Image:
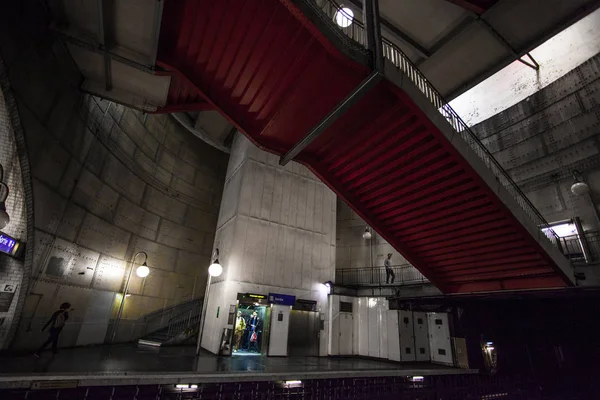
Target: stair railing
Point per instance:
(181, 321)
(163, 318)
(356, 31)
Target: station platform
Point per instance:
(129, 365)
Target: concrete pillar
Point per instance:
(275, 233)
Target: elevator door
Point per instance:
(303, 339)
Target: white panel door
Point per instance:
(346, 334)
(383, 330)
(335, 335)
(373, 326)
(363, 326)
(393, 335)
(407, 338)
(280, 324)
(439, 338)
(421, 336)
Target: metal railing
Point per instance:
(405, 274)
(170, 316)
(356, 31)
(571, 246)
(184, 320)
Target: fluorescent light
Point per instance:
(186, 386)
(416, 378)
(292, 382)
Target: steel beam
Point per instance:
(103, 39)
(373, 28)
(156, 30)
(363, 88)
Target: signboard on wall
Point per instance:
(282, 299)
(7, 292)
(9, 245)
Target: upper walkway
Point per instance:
(399, 156)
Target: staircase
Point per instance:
(181, 325)
(400, 157)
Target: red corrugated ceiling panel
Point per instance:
(268, 69)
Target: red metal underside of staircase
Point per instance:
(274, 75)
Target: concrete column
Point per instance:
(275, 233)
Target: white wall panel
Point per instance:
(393, 335)
(407, 339)
(373, 327)
(279, 330)
(346, 334)
(383, 329)
(421, 336)
(363, 326)
(439, 338)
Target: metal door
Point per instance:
(346, 333)
(421, 336)
(439, 338)
(303, 337)
(407, 336)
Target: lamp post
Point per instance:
(142, 271)
(215, 270)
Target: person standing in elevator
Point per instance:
(254, 325)
(240, 327)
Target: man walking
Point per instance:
(56, 323)
(389, 272)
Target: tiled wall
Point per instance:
(107, 182)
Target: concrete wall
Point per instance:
(275, 234)
(107, 182)
(514, 83)
(540, 140)
(352, 250)
(12, 270)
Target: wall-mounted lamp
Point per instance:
(579, 187)
(367, 233)
(4, 218)
(215, 269)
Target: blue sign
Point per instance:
(8, 244)
(282, 299)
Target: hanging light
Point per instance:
(215, 268)
(344, 17)
(142, 271)
(579, 187)
(367, 233)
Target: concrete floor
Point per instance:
(126, 364)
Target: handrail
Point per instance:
(168, 309)
(404, 274)
(356, 31)
(183, 320)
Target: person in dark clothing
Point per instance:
(389, 272)
(56, 323)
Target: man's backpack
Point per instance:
(60, 320)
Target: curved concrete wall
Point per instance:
(107, 182)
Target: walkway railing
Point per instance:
(356, 31)
(404, 275)
(571, 246)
